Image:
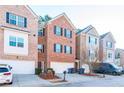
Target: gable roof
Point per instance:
(104, 35)
(32, 12)
(63, 14)
(85, 30)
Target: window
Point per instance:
(41, 32)
(12, 19)
(92, 54)
(21, 21)
(58, 48)
(109, 44)
(41, 48)
(12, 41)
(16, 20)
(68, 49)
(67, 33)
(16, 42)
(58, 30)
(109, 55)
(92, 40)
(20, 42)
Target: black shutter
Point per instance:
(43, 31)
(71, 50)
(61, 31)
(71, 34)
(7, 17)
(64, 49)
(25, 22)
(54, 47)
(43, 48)
(65, 32)
(54, 29)
(61, 48)
(89, 39)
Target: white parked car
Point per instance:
(6, 75)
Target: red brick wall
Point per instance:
(51, 39)
(32, 27)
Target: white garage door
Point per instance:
(20, 67)
(59, 67)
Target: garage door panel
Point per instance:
(59, 67)
(20, 67)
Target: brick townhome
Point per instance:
(18, 38)
(56, 44)
(87, 46)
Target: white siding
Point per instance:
(15, 50)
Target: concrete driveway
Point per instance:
(27, 81)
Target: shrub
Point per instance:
(49, 69)
(38, 71)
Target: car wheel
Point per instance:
(10, 83)
(114, 73)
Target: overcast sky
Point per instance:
(103, 18)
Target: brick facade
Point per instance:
(50, 39)
(32, 28)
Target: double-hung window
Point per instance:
(20, 42)
(41, 32)
(16, 41)
(67, 33)
(21, 21)
(12, 41)
(58, 48)
(68, 49)
(58, 30)
(92, 40)
(41, 48)
(109, 44)
(16, 20)
(12, 19)
(110, 55)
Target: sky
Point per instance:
(104, 18)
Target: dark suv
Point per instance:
(107, 68)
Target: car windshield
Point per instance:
(114, 65)
(2, 69)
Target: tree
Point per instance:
(92, 59)
(47, 18)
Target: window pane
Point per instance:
(40, 48)
(68, 33)
(12, 41)
(58, 31)
(12, 19)
(20, 21)
(109, 44)
(58, 48)
(68, 50)
(20, 42)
